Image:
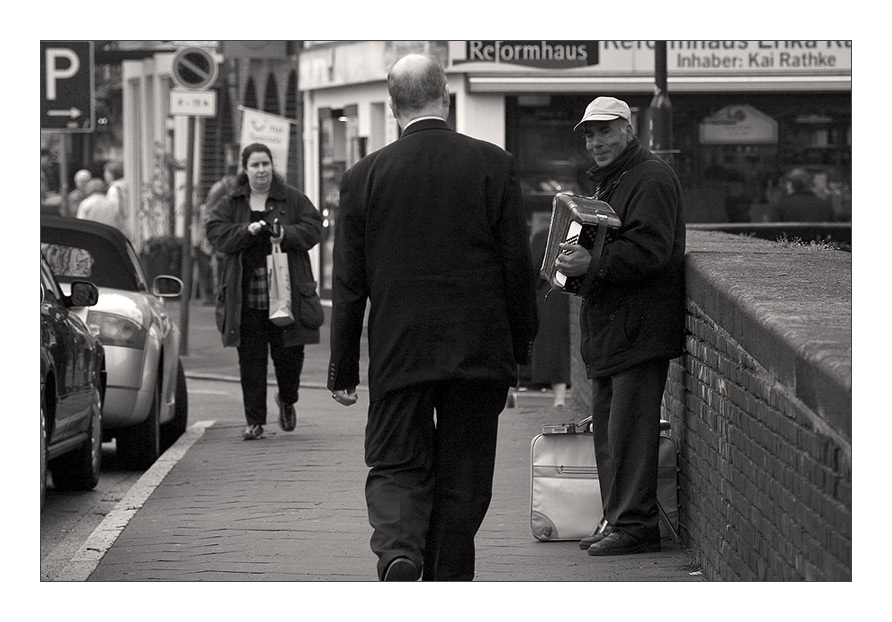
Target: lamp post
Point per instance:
(661, 108)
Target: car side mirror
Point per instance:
(167, 286)
(83, 294)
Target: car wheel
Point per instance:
(42, 451)
(139, 446)
(80, 469)
(174, 429)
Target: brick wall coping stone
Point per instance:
(790, 308)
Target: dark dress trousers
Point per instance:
(432, 233)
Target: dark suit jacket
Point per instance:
(431, 230)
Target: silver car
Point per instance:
(146, 400)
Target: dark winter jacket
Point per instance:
(431, 231)
(227, 231)
(635, 307)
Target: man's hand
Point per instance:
(255, 227)
(345, 397)
(573, 260)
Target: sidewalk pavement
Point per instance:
(291, 506)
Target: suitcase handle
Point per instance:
(665, 425)
(586, 425)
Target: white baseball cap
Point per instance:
(605, 109)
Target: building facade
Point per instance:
(745, 114)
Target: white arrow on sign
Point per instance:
(72, 113)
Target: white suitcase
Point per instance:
(565, 495)
(565, 498)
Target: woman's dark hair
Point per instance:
(242, 178)
(254, 148)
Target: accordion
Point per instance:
(576, 219)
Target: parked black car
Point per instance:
(72, 387)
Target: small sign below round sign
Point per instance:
(194, 68)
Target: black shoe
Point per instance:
(595, 536)
(252, 432)
(401, 569)
(622, 543)
(287, 415)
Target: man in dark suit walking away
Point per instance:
(431, 232)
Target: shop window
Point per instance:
(340, 147)
(271, 96)
(250, 99)
(739, 172)
(292, 111)
(731, 173)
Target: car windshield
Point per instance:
(87, 257)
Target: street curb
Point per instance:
(227, 378)
(88, 556)
(270, 382)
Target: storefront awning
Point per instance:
(644, 84)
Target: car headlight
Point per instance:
(114, 330)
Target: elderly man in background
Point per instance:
(113, 174)
(97, 206)
(81, 178)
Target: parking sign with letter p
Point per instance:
(66, 86)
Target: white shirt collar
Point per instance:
(422, 119)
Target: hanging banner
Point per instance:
(269, 129)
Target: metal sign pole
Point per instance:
(186, 275)
(193, 69)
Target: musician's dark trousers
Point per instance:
(261, 340)
(626, 429)
(430, 482)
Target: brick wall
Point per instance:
(760, 406)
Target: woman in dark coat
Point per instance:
(260, 210)
(551, 349)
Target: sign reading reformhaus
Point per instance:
(544, 54)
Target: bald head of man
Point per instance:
(417, 87)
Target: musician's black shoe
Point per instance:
(595, 536)
(622, 543)
(401, 569)
(287, 415)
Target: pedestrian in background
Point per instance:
(204, 250)
(799, 203)
(551, 349)
(113, 174)
(81, 178)
(240, 227)
(632, 320)
(432, 233)
(50, 199)
(97, 206)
